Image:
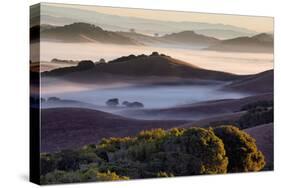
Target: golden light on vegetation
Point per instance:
(156, 153)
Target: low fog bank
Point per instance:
(152, 96)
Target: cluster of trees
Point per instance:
(156, 153)
(257, 113)
(256, 117)
(260, 112)
(258, 104)
(115, 102)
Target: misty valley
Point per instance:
(88, 103)
(129, 97)
(152, 96)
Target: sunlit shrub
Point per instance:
(164, 174)
(156, 153)
(241, 150)
(198, 151)
(110, 176)
(151, 134)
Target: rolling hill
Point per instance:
(66, 15)
(208, 111)
(191, 38)
(84, 126)
(223, 34)
(259, 43)
(83, 32)
(264, 135)
(258, 83)
(140, 66)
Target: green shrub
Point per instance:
(110, 176)
(198, 151)
(47, 163)
(102, 154)
(90, 173)
(176, 132)
(132, 169)
(112, 144)
(156, 153)
(241, 150)
(255, 117)
(151, 134)
(164, 174)
(68, 160)
(254, 105)
(58, 176)
(142, 151)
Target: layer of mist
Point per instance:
(151, 96)
(239, 63)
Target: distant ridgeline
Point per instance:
(56, 60)
(259, 43)
(85, 32)
(156, 153)
(142, 65)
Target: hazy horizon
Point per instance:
(125, 19)
(254, 23)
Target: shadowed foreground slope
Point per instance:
(68, 128)
(264, 139)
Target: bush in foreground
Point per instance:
(241, 150)
(156, 153)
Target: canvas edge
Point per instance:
(34, 113)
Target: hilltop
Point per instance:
(259, 43)
(156, 64)
(83, 32)
(190, 37)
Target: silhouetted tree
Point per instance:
(132, 30)
(112, 102)
(101, 61)
(86, 64)
(154, 54)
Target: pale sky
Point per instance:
(256, 23)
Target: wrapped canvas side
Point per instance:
(34, 163)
